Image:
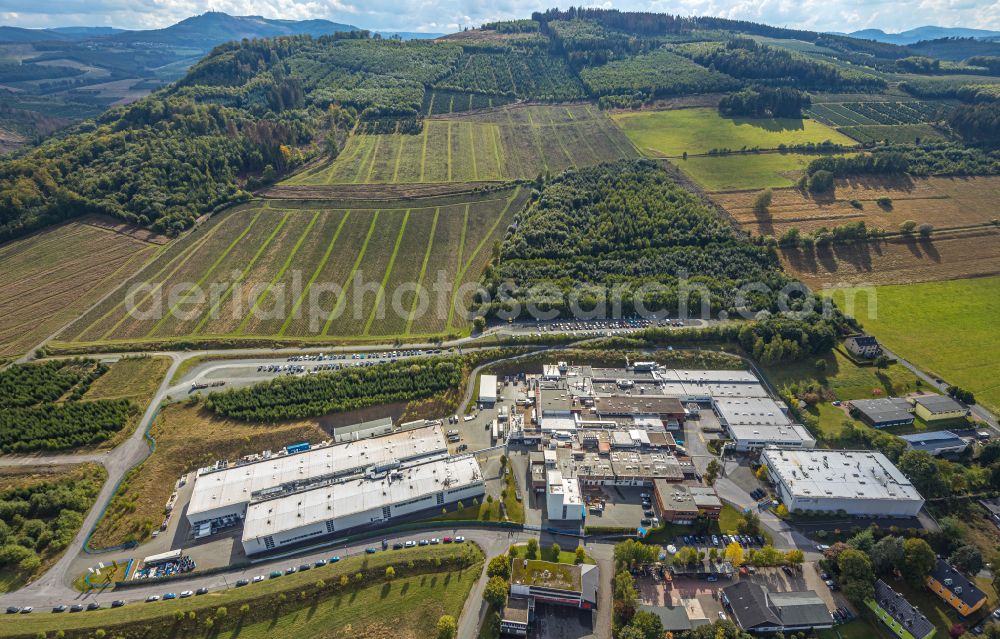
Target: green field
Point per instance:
(673, 133)
(323, 270)
(495, 145)
(946, 328)
(745, 171)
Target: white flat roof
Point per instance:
(359, 495)
(709, 376)
(844, 474)
(236, 484)
(727, 389)
(755, 411)
(783, 434)
(488, 387)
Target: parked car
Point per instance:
(60, 608)
(79, 607)
(397, 546)
(334, 559)
(435, 541)
(170, 595)
(459, 539)
(117, 603)
(446, 540)
(258, 579)
(423, 542)
(201, 591)
(290, 570)
(186, 593)
(410, 543)
(275, 574)
(26, 610)
(93, 605)
(320, 563)
(13, 610)
(371, 551)
(242, 582)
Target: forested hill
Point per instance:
(254, 110)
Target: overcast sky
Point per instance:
(451, 15)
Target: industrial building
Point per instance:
(376, 497)
(562, 497)
(683, 504)
(941, 442)
(855, 482)
(756, 422)
(488, 390)
(304, 492)
(883, 413)
(226, 488)
(756, 609)
(932, 408)
(898, 614)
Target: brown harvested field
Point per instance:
(187, 438)
(944, 202)
(944, 256)
(52, 276)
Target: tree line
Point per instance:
(347, 389)
(768, 102)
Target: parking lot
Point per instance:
(622, 506)
(562, 622)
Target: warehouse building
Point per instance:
(855, 482)
(226, 489)
(883, 413)
(756, 422)
(488, 390)
(941, 442)
(332, 506)
(932, 408)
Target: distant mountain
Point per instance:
(214, 27)
(922, 33)
(17, 35)
(86, 32)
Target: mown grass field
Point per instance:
(135, 378)
(944, 202)
(323, 270)
(945, 255)
(675, 132)
(743, 171)
(495, 145)
(407, 607)
(946, 328)
(51, 276)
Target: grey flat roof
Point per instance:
(884, 410)
(939, 403)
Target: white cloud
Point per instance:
(428, 15)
